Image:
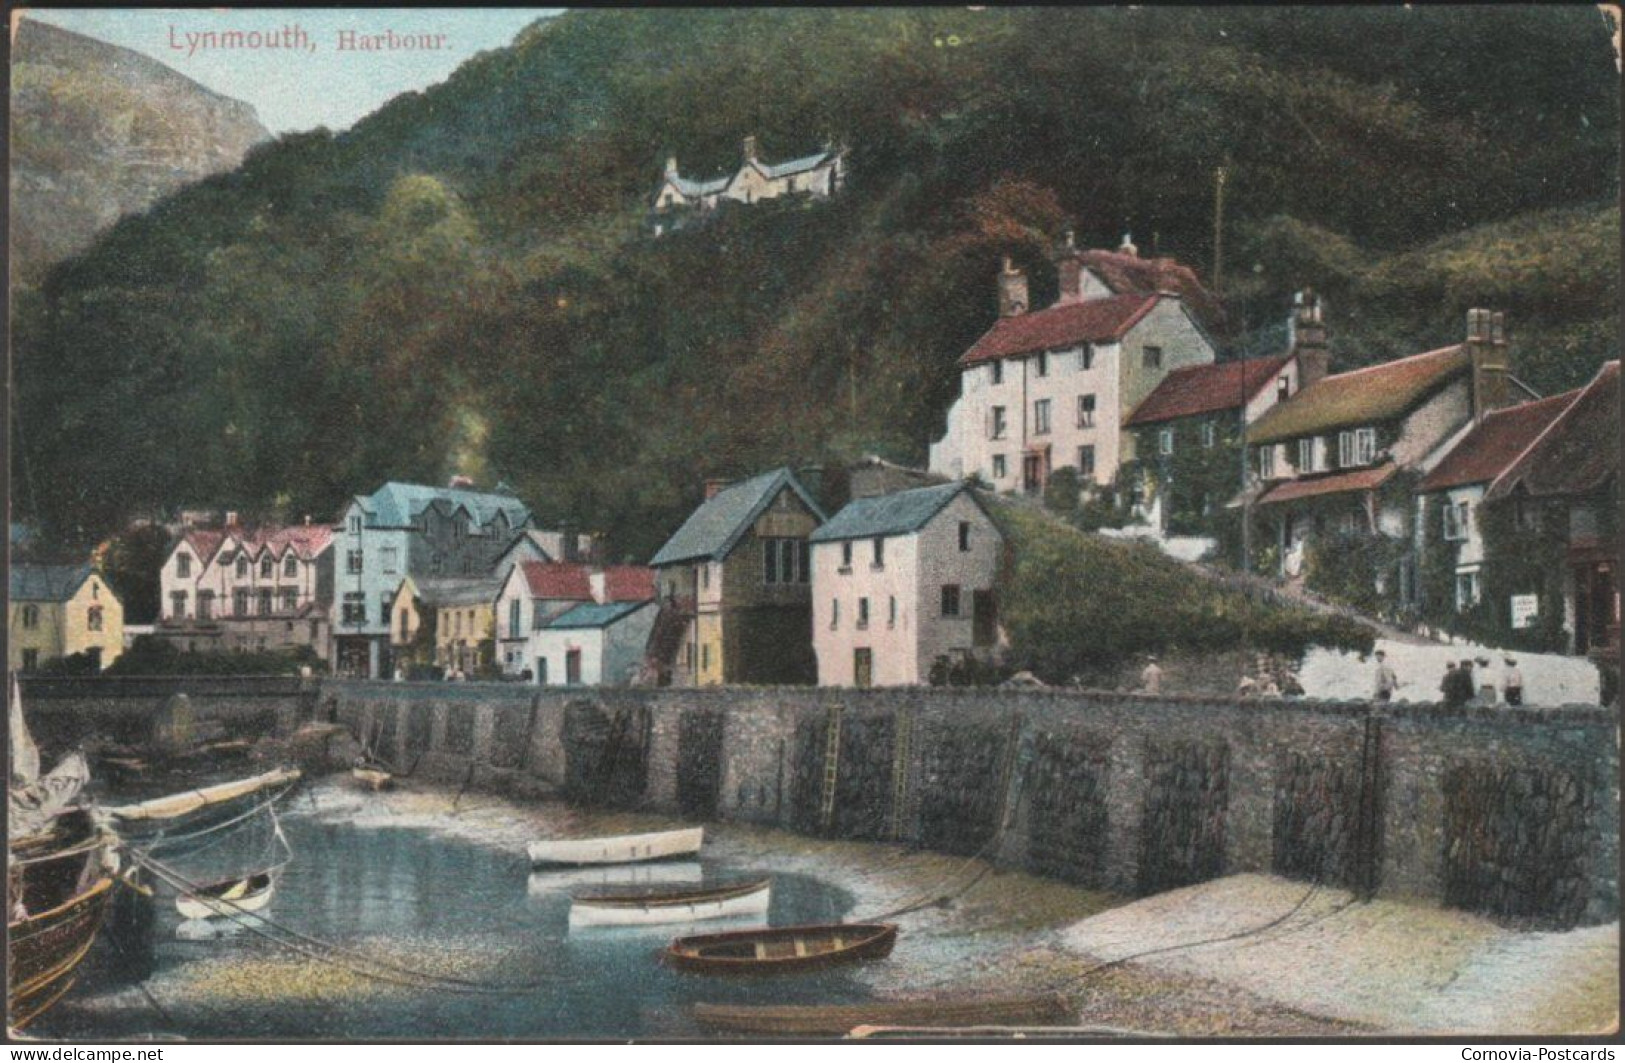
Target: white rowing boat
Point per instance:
(174, 806)
(618, 849)
(232, 897)
(669, 873)
(664, 904)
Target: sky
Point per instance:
(316, 83)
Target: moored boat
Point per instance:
(164, 810)
(616, 849)
(770, 950)
(374, 779)
(656, 905)
(227, 898)
(670, 873)
(836, 1020)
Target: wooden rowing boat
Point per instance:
(836, 1020)
(374, 779)
(656, 905)
(227, 898)
(616, 849)
(771, 950)
(161, 810)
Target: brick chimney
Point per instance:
(750, 148)
(1308, 329)
(1012, 290)
(1127, 247)
(1492, 367)
(713, 485)
(671, 166)
(460, 481)
(1069, 269)
(231, 518)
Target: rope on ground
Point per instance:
(330, 952)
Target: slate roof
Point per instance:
(1336, 483)
(895, 514)
(1200, 389)
(440, 591)
(1360, 397)
(715, 528)
(1091, 321)
(397, 505)
(594, 614)
(1492, 445)
(801, 165)
(46, 583)
(561, 580)
(1125, 273)
(1577, 452)
(695, 189)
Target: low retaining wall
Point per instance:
(67, 712)
(1510, 812)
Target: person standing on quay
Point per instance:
(1387, 681)
(1151, 677)
(1512, 683)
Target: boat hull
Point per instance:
(752, 901)
(373, 779)
(776, 950)
(45, 950)
(671, 873)
(620, 849)
(837, 1020)
(201, 906)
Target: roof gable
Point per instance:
(715, 528)
(1491, 447)
(1360, 397)
(900, 513)
(1577, 452)
(1091, 321)
(1201, 389)
(558, 580)
(1124, 273)
(398, 505)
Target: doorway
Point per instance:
(863, 667)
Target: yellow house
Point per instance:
(61, 610)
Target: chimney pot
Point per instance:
(1012, 290)
(1127, 246)
(713, 485)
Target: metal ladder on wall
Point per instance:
(899, 771)
(832, 760)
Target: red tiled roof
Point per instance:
(1124, 273)
(1495, 443)
(1091, 321)
(1578, 451)
(1360, 397)
(564, 580)
(628, 583)
(1205, 388)
(204, 542)
(1336, 483)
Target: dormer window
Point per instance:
(355, 525)
(1306, 455)
(267, 566)
(1151, 357)
(183, 565)
(242, 567)
(1283, 388)
(1357, 447)
(290, 566)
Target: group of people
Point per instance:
(1461, 684)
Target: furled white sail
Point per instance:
(24, 753)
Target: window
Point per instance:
(405, 625)
(1041, 417)
(1525, 516)
(290, 566)
(705, 577)
(1043, 363)
(265, 601)
(1306, 455)
(804, 559)
(1209, 434)
(1266, 462)
(267, 567)
(205, 605)
(242, 566)
(997, 426)
(964, 536)
(950, 599)
(290, 599)
(891, 611)
(784, 560)
(789, 561)
(1347, 524)
(389, 558)
(1165, 441)
(1086, 411)
(31, 660)
(1086, 461)
(1283, 389)
(515, 620)
(863, 614)
(1086, 358)
(436, 563)
(93, 618)
(705, 657)
(1151, 357)
(1358, 447)
(999, 468)
(239, 602)
(355, 525)
(998, 371)
(183, 565)
(879, 560)
(1467, 590)
(177, 603)
(846, 556)
(834, 613)
(352, 562)
(355, 608)
(1457, 520)
(456, 623)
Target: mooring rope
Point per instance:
(335, 954)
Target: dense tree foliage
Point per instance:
(464, 283)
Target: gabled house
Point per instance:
(607, 641)
(819, 175)
(900, 580)
(1189, 431)
(57, 611)
(235, 588)
(735, 584)
(405, 530)
(1052, 388)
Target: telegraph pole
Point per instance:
(1219, 176)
